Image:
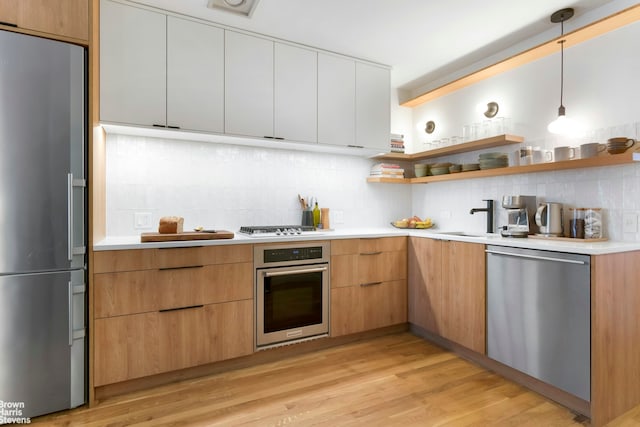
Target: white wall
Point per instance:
(601, 88)
(225, 186)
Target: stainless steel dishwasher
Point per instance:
(539, 315)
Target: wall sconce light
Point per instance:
(430, 127)
(492, 109)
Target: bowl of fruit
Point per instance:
(413, 222)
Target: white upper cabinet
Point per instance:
(336, 100)
(132, 65)
(296, 93)
(248, 85)
(195, 76)
(373, 106)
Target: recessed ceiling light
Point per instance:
(241, 7)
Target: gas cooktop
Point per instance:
(277, 230)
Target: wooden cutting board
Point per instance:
(188, 235)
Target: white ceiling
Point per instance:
(421, 39)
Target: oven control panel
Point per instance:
(292, 254)
(268, 256)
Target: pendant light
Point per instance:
(563, 125)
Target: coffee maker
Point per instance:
(521, 211)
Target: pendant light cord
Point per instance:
(561, 63)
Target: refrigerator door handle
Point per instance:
(70, 313)
(71, 182)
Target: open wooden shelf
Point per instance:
(604, 159)
(580, 35)
(465, 147)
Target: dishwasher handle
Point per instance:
(537, 257)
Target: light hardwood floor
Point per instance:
(394, 380)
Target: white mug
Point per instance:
(542, 156)
(564, 153)
(591, 149)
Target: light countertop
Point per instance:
(579, 246)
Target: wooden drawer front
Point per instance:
(203, 255)
(181, 338)
(131, 292)
(229, 331)
(362, 308)
(125, 347)
(228, 282)
(127, 260)
(382, 267)
(354, 269)
(386, 244)
(347, 246)
(150, 259)
(134, 346)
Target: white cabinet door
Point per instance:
(373, 105)
(248, 85)
(295, 92)
(132, 65)
(336, 100)
(195, 76)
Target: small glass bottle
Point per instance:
(316, 215)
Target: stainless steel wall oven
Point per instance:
(292, 292)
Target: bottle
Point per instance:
(316, 215)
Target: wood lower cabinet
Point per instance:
(188, 307)
(447, 290)
(368, 284)
(62, 18)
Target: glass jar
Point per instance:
(576, 223)
(593, 223)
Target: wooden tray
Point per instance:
(188, 235)
(567, 239)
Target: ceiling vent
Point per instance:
(240, 7)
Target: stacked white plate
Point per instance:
(493, 160)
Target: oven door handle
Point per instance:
(288, 272)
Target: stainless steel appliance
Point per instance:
(538, 315)
(292, 292)
(42, 224)
(521, 211)
(278, 230)
(549, 219)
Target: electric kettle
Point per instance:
(549, 219)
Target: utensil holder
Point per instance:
(307, 217)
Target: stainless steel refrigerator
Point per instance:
(43, 134)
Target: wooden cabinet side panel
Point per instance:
(68, 18)
(126, 347)
(615, 335)
(9, 11)
(464, 295)
(229, 330)
(228, 282)
(425, 291)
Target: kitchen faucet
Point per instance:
(489, 211)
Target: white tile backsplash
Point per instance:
(226, 186)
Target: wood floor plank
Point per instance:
(394, 380)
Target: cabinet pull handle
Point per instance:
(370, 284)
(278, 137)
(355, 146)
(371, 253)
(173, 127)
(182, 247)
(180, 268)
(158, 126)
(9, 24)
(268, 137)
(165, 310)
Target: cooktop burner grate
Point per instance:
(263, 229)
